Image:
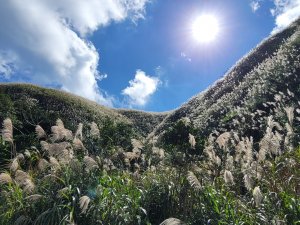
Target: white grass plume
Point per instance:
(84, 203)
(193, 180)
(192, 141)
(7, 131)
(40, 133)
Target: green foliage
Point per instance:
(116, 134)
(115, 200)
(176, 139)
(5, 154)
(7, 107)
(291, 207)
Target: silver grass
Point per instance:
(172, 221)
(218, 161)
(229, 163)
(29, 186)
(192, 141)
(54, 163)
(290, 114)
(57, 133)
(290, 93)
(257, 195)
(126, 162)
(62, 192)
(209, 150)
(78, 145)
(20, 157)
(196, 168)
(269, 144)
(14, 166)
(256, 170)
(223, 139)
(45, 146)
(131, 155)
(248, 181)
(21, 177)
(108, 165)
(228, 178)
(248, 154)
(68, 135)
(90, 163)
(289, 136)
(84, 203)
(236, 137)
(65, 156)
(7, 131)
(95, 132)
(98, 160)
(271, 124)
(278, 98)
(193, 180)
(34, 198)
(27, 154)
(239, 149)
(136, 166)
(136, 144)
(60, 123)
(24, 181)
(161, 153)
(55, 149)
(158, 152)
(186, 121)
(78, 133)
(40, 133)
(5, 178)
(137, 151)
(43, 165)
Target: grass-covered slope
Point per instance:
(30, 104)
(144, 122)
(251, 79)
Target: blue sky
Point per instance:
(132, 54)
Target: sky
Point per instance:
(139, 54)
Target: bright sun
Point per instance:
(205, 28)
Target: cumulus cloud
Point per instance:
(141, 88)
(49, 40)
(255, 5)
(285, 12)
(7, 64)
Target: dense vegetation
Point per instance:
(232, 157)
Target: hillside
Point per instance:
(26, 102)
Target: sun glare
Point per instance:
(205, 28)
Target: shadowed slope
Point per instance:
(40, 102)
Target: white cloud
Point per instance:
(141, 88)
(254, 6)
(49, 39)
(185, 56)
(7, 65)
(285, 11)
